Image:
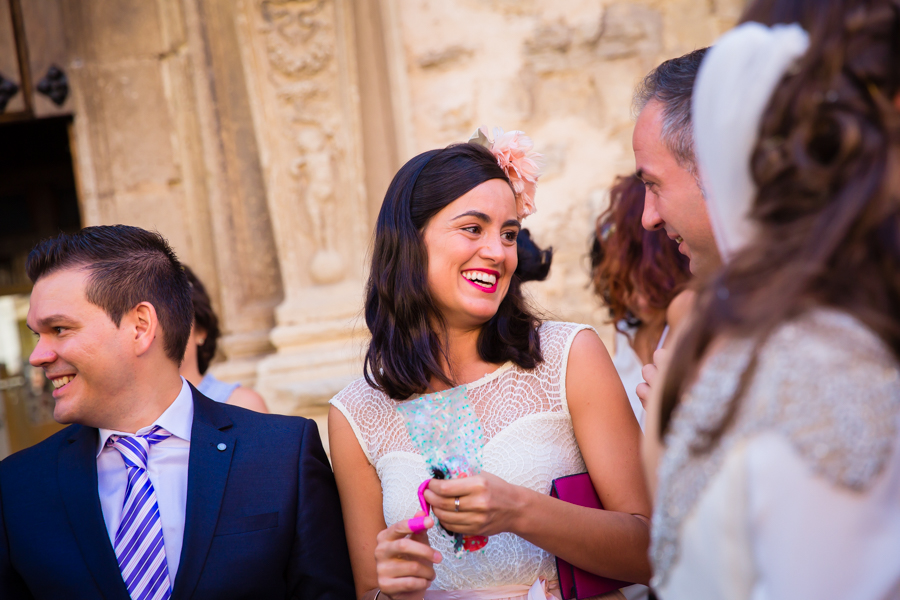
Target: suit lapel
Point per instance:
(78, 482)
(208, 468)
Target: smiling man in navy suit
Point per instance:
(155, 491)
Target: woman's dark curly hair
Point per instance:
(204, 318)
(826, 167)
(629, 261)
(407, 345)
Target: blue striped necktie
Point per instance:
(139, 540)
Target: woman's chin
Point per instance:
(470, 317)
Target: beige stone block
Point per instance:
(138, 126)
(124, 29)
(629, 29)
(688, 25)
(155, 211)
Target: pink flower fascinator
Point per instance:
(516, 156)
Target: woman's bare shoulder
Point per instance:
(249, 399)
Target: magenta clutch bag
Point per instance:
(575, 583)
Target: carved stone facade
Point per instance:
(260, 135)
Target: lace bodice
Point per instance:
(529, 441)
(823, 382)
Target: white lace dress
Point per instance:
(529, 442)
(801, 496)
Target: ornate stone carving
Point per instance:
(301, 40)
(307, 113)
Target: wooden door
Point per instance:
(33, 60)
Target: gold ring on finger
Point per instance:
(456, 504)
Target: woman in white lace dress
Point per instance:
(780, 476)
(444, 309)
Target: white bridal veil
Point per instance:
(733, 88)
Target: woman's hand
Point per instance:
(487, 504)
(650, 373)
(405, 561)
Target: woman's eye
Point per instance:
(59, 329)
(472, 229)
(510, 235)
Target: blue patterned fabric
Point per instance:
(215, 389)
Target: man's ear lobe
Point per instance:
(145, 324)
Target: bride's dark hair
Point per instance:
(406, 348)
(826, 166)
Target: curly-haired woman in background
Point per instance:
(201, 349)
(639, 275)
(780, 476)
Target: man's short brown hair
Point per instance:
(127, 265)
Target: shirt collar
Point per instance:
(177, 419)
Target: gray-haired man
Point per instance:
(663, 145)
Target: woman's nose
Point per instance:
(492, 248)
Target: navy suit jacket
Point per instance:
(263, 518)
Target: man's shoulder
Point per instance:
(44, 452)
(249, 421)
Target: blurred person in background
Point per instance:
(640, 276)
(201, 350)
(774, 440)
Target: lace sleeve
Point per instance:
(565, 335)
(353, 394)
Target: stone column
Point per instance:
(301, 57)
(246, 259)
(163, 139)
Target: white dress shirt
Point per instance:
(167, 468)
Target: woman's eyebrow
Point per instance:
(474, 213)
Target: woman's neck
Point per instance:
(646, 338)
(462, 364)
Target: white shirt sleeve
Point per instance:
(811, 538)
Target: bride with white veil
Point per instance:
(778, 420)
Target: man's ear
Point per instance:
(144, 326)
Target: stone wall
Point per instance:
(563, 72)
(259, 136)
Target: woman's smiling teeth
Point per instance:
(481, 278)
(61, 381)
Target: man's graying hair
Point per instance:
(672, 84)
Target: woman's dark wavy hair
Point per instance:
(534, 262)
(406, 348)
(827, 167)
(628, 260)
(205, 318)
